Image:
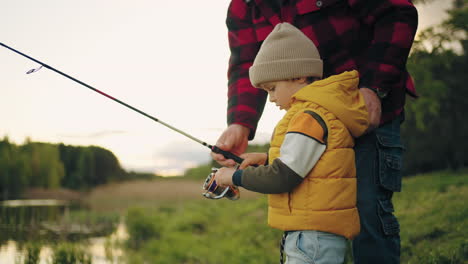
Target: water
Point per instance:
(51, 222)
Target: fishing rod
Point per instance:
(215, 149)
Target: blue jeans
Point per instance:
(378, 165)
(315, 247)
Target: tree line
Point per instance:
(46, 165)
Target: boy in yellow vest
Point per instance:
(309, 171)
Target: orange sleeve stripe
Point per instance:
(306, 124)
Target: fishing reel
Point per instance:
(213, 191)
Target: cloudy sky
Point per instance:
(167, 58)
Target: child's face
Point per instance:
(280, 92)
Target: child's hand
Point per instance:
(223, 176)
(253, 159)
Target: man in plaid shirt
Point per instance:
(373, 37)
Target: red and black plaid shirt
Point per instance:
(371, 36)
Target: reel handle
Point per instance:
(227, 154)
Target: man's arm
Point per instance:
(245, 103)
(393, 25)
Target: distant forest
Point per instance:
(46, 165)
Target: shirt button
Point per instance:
(318, 4)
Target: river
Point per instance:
(48, 223)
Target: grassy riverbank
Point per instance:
(432, 211)
(168, 221)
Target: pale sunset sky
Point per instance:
(167, 58)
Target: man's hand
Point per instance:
(234, 139)
(374, 107)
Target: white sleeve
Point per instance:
(301, 152)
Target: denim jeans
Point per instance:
(315, 247)
(378, 165)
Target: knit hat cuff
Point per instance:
(281, 70)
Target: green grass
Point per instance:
(433, 214)
(432, 211)
(203, 232)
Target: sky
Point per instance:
(166, 58)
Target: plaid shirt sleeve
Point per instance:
(393, 24)
(245, 102)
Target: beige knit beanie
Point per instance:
(286, 53)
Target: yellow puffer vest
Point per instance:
(326, 198)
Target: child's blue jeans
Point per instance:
(315, 247)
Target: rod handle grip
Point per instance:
(227, 154)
